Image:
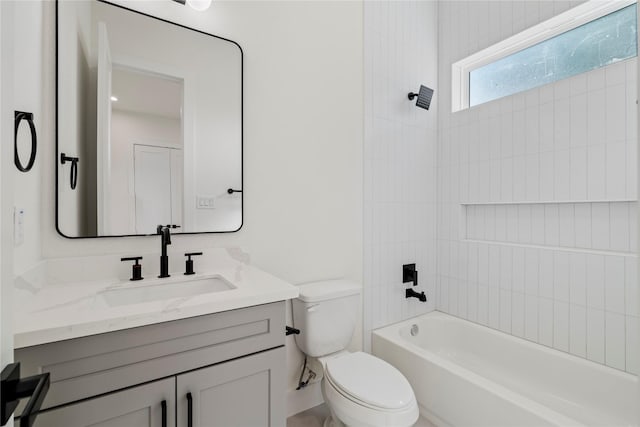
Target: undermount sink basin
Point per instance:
(160, 289)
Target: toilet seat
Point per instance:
(347, 412)
(369, 381)
(364, 391)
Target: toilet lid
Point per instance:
(370, 380)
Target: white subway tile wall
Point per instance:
(399, 159)
(536, 197)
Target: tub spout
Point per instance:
(410, 293)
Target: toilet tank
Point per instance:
(326, 313)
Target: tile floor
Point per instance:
(314, 417)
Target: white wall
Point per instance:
(400, 159)
(6, 183)
(27, 65)
(303, 118)
(537, 212)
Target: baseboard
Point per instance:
(303, 399)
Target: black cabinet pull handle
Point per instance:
(231, 191)
(19, 116)
(189, 410)
(163, 405)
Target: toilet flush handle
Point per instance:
(312, 308)
(288, 330)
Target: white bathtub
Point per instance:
(464, 374)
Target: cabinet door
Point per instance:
(246, 392)
(139, 406)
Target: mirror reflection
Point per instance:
(156, 128)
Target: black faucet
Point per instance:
(410, 293)
(165, 239)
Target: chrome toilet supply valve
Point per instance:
(189, 263)
(136, 269)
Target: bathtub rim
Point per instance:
(386, 331)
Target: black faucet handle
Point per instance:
(136, 269)
(189, 262)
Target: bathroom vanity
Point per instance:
(211, 359)
(206, 369)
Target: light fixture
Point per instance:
(199, 5)
(114, 98)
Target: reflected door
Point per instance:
(158, 187)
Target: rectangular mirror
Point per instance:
(149, 124)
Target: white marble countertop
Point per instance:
(51, 307)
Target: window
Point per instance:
(584, 38)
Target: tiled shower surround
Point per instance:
(536, 198)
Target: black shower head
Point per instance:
(424, 97)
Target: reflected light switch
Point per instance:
(203, 202)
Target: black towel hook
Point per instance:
(73, 178)
(18, 117)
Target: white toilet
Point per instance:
(359, 389)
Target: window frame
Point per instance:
(561, 23)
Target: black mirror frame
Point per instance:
(57, 122)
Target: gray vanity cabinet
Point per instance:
(232, 363)
(247, 392)
(139, 406)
